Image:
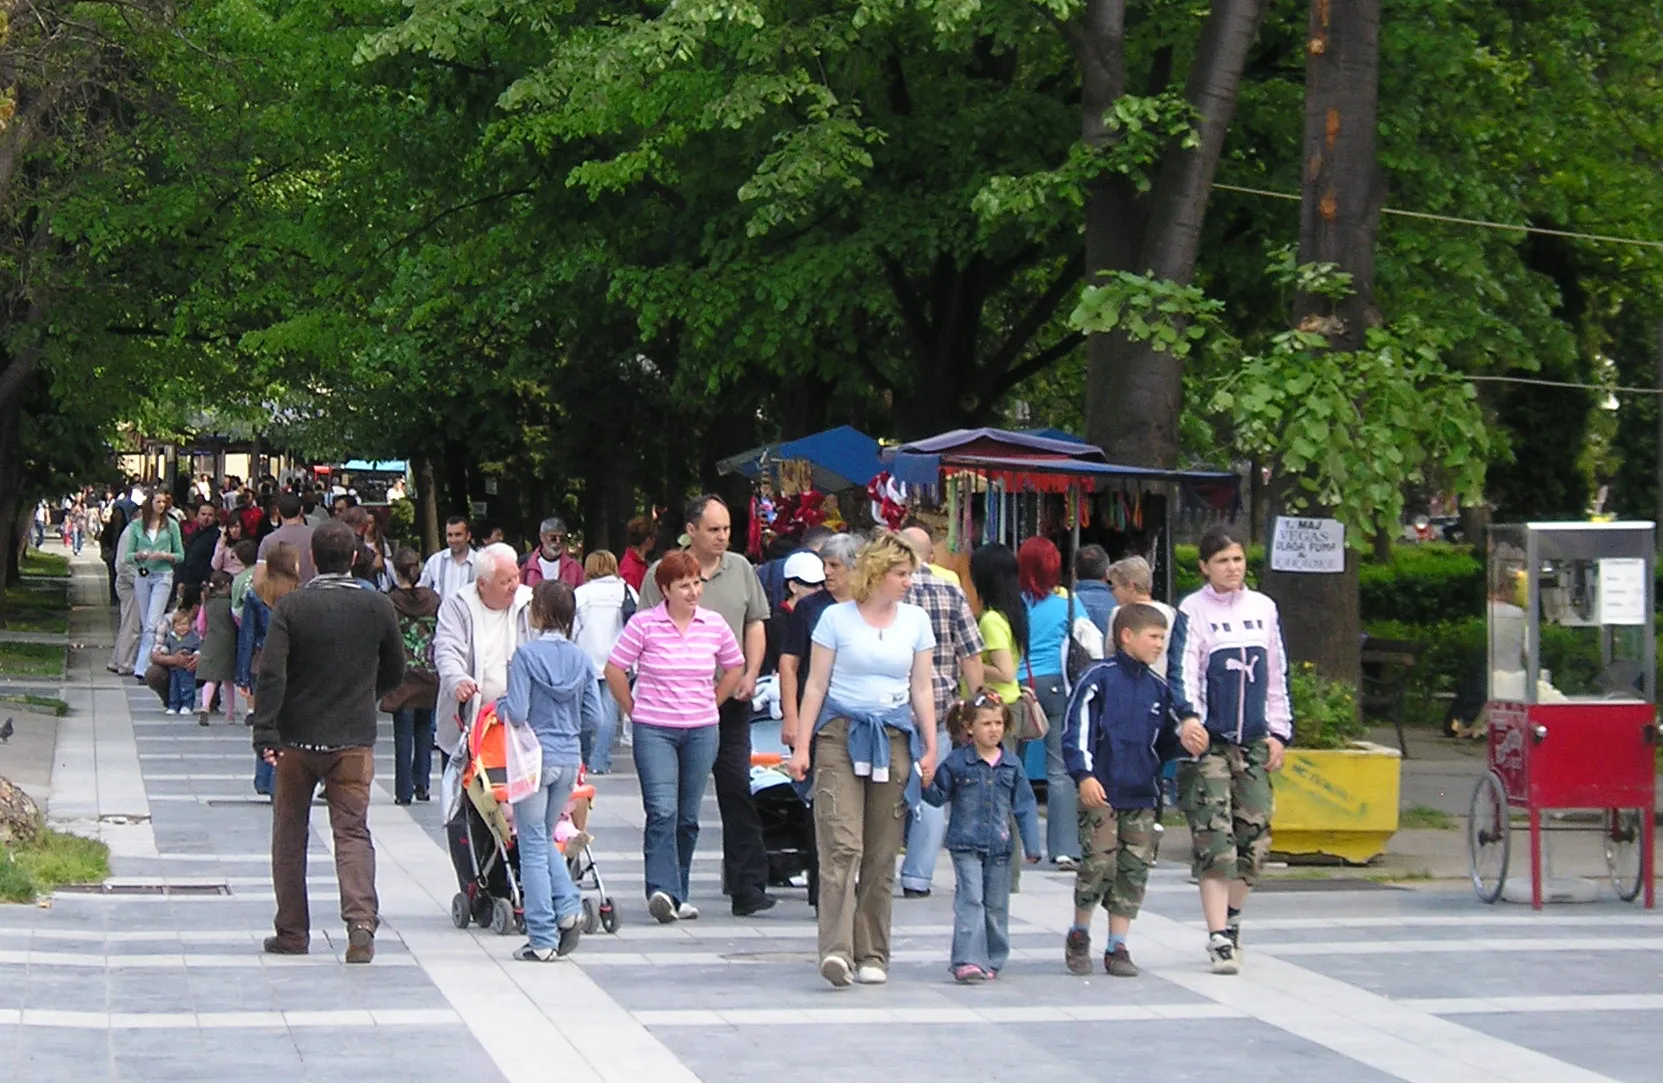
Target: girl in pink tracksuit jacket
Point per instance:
(1228, 672)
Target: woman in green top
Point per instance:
(1004, 621)
(154, 548)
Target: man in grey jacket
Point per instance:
(480, 627)
(332, 650)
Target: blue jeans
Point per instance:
(674, 768)
(40, 533)
(1062, 798)
(550, 895)
(981, 910)
(597, 742)
(925, 830)
(181, 689)
(264, 776)
(150, 595)
(412, 751)
(76, 534)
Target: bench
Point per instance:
(1386, 667)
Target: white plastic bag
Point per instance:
(524, 754)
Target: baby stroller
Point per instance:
(479, 825)
(786, 815)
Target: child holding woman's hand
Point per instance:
(985, 787)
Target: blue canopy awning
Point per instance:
(841, 458)
(386, 466)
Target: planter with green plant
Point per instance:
(1336, 793)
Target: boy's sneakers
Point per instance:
(571, 930)
(662, 908)
(687, 912)
(1076, 952)
(1233, 931)
(529, 954)
(871, 974)
(1119, 963)
(1066, 864)
(1222, 951)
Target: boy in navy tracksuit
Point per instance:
(1117, 732)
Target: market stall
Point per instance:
(990, 485)
(1572, 712)
(795, 481)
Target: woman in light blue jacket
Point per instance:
(551, 689)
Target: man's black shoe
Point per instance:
(915, 892)
(754, 904)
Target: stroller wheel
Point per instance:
(609, 915)
(482, 910)
(591, 919)
(502, 917)
(460, 912)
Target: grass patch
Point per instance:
(1425, 818)
(32, 609)
(36, 562)
(53, 859)
(31, 660)
(42, 704)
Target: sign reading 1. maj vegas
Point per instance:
(1308, 545)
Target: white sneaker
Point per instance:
(171, 710)
(871, 974)
(835, 970)
(662, 908)
(687, 912)
(1222, 951)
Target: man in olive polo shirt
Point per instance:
(732, 589)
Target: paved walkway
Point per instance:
(1356, 985)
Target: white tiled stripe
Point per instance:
(95, 773)
(411, 1017)
(204, 961)
(1397, 1038)
(1512, 945)
(1084, 1013)
(1591, 1002)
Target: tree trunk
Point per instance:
(1134, 394)
(1338, 214)
(427, 505)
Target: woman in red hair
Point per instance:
(1039, 569)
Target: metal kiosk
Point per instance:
(1572, 696)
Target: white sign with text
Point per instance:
(1622, 590)
(1308, 545)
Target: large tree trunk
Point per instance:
(1134, 394)
(1339, 212)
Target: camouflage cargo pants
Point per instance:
(1116, 850)
(1227, 797)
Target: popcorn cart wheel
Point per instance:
(1572, 713)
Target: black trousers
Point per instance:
(744, 856)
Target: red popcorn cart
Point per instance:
(1572, 698)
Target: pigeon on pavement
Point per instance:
(6, 731)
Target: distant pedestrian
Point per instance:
(332, 650)
(605, 603)
(632, 566)
(282, 576)
(124, 656)
(412, 702)
(155, 549)
(550, 559)
(1133, 582)
(217, 666)
(293, 530)
(453, 567)
(1092, 588)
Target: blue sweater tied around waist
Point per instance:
(869, 744)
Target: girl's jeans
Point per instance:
(150, 595)
(981, 910)
(550, 896)
(412, 751)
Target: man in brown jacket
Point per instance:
(332, 650)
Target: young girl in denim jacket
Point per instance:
(986, 787)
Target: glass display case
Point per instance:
(1569, 613)
(1572, 716)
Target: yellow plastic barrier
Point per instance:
(1341, 802)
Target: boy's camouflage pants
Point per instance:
(1227, 797)
(1116, 850)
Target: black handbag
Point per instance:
(1077, 659)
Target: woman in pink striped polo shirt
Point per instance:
(674, 648)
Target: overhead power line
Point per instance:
(1569, 234)
(1532, 381)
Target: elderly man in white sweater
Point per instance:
(481, 625)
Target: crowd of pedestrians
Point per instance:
(900, 707)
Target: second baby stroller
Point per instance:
(479, 825)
